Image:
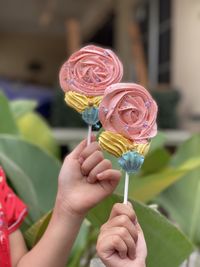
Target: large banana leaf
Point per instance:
(17, 117)
(182, 200)
(32, 172)
(186, 150)
(167, 246)
(22, 106)
(157, 175)
(156, 160)
(35, 129)
(83, 246)
(33, 234)
(146, 188)
(158, 141)
(7, 122)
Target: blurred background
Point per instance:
(158, 42)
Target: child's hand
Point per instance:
(121, 241)
(85, 178)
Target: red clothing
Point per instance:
(12, 213)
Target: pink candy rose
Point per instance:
(129, 109)
(90, 70)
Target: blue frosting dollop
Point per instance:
(131, 161)
(91, 115)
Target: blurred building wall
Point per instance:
(17, 51)
(186, 53)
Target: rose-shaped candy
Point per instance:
(128, 109)
(90, 70)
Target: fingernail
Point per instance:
(122, 255)
(83, 172)
(89, 179)
(99, 175)
(130, 204)
(81, 160)
(132, 257)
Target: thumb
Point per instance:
(79, 148)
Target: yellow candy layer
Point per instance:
(80, 102)
(117, 145)
(114, 143)
(142, 148)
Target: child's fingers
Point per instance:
(89, 150)
(122, 209)
(78, 149)
(109, 180)
(141, 249)
(122, 221)
(101, 167)
(124, 235)
(109, 174)
(109, 245)
(93, 160)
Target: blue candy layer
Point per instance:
(91, 115)
(131, 161)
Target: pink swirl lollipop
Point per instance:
(128, 109)
(90, 70)
(128, 114)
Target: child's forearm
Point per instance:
(54, 247)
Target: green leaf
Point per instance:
(35, 129)
(146, 188)
(21, 107)
(32, 172)
(186, 150)
(182, 200)
(35, 232)
(7, 122)
(158, 141)
(155, 161)
(84, 241)
(167, 246)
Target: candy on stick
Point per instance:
(128, 114)
(84, 78)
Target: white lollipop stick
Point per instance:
(89, 134)
(126, 188)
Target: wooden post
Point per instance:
(153, 40)
(73, 35)
(138, 55)
(124, 13)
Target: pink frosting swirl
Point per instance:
(129, 109)
(90, 70)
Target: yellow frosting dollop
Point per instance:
(80, 102)
(114, 143)
(142, 148)
(117, 145)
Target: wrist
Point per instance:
(64, 210)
